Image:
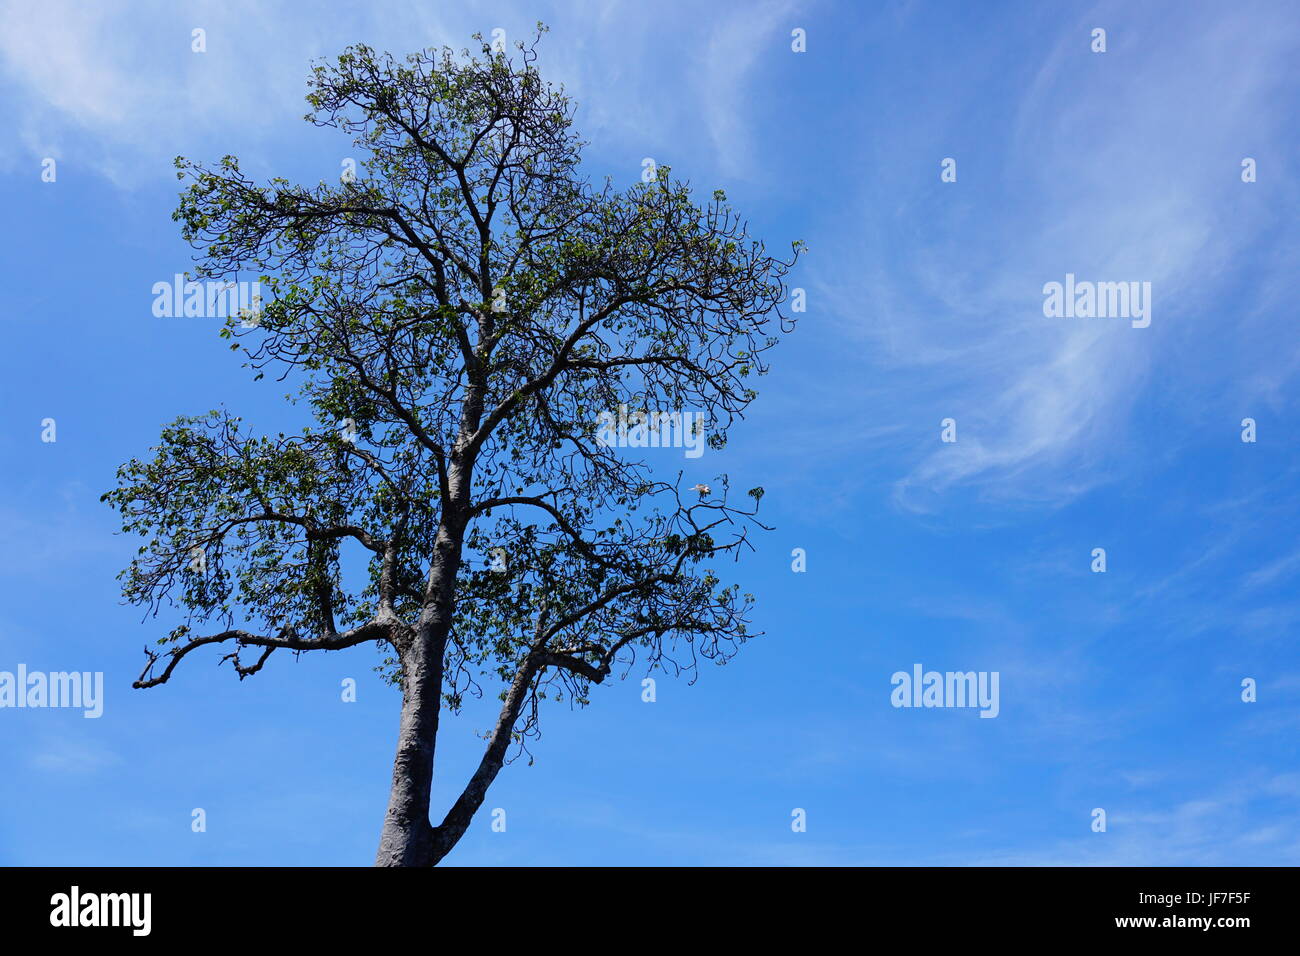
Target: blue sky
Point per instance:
(1118, 690)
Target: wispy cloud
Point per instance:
(117, 85)
(65, 755)
(1219, 828)
(1280, 568)
(1121, 166)
(735, 44)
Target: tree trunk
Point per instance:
(407, 837)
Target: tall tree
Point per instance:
(458, 316)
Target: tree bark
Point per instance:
(407, 836)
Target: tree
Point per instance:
(456, 317)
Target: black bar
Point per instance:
(332, 905)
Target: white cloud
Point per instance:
(734, 46)
(1121, 167)
(1214, 829)
(70, 756)
(115, 86)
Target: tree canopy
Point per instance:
(455, 318)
